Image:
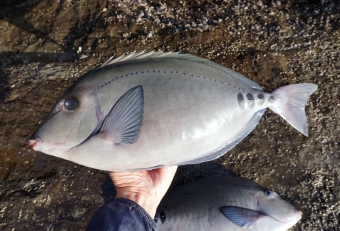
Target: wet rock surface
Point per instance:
(46, 45)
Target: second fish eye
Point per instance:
(71, 103)
(268, 193)
(162, 216)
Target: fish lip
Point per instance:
(300, 213)
(34, 142)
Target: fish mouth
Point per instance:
(37, 144)
(34, 142)
(299, 213)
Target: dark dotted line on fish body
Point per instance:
(216, 81)
(159, 71)
(240, 97)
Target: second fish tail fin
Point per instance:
(290, 102)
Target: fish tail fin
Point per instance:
(290, 102)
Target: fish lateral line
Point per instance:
(164, 72)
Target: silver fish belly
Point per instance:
(224, 203)
(158, 109)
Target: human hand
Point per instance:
(145, 187)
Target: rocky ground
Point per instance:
(45, 45)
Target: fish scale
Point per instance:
(147, 110)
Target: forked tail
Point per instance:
(290, 102)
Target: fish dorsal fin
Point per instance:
(140, 55)
(177, 55)
(123, 123)
(242, 217)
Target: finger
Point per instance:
(166, 174)
(169, 170)
(125, 178)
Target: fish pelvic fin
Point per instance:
(289, 102)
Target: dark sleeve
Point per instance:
(123, 215)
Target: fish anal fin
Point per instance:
(123, 122)
(242, 217)
(147, 168)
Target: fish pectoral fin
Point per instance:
(122, 124)
(242, 217)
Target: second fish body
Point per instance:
(225, 203)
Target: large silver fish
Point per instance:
(225, 203)
(146, 110)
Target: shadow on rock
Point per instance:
(7, 58)
(18, 13)
(17, 17)
(189, 173)
(108, 190)
(4, 89)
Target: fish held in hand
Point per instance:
(225, 203)
(146, 110)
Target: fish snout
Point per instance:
(34, 142)
(299, 213)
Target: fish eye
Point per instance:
(71, 103)
(162, 216)
(268, 193)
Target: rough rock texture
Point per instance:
(45, 45)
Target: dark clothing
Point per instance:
(121, 215)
